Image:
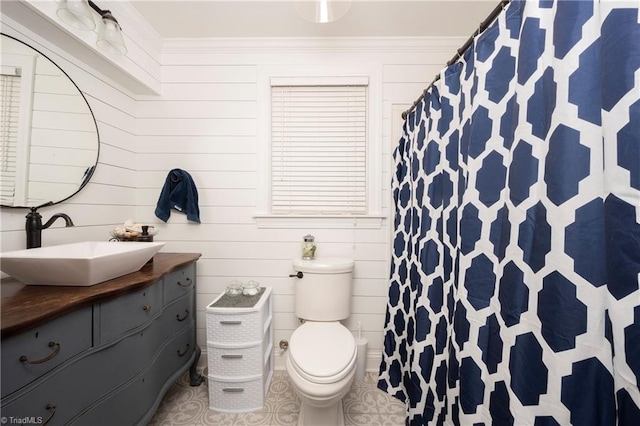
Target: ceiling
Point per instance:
(273, 18)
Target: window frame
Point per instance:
(320, 75)
(26, 70)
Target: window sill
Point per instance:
(319, 221)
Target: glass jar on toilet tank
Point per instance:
(308, 247)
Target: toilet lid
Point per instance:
(322, 352)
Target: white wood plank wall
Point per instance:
(206, 122)
(110, 197)
(58, 109)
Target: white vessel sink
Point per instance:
(77, 264)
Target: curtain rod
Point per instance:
(483, 26)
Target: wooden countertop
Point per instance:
(26, 306)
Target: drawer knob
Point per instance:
(52, 408)
(232, 389)
(186, 315)
(56, 351)
(183, 353)
(223, 322)
(146, 308)
(231, 356)
(188, 282)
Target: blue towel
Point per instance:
(178, 193)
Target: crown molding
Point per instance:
(318, 44)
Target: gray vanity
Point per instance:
(99, 355)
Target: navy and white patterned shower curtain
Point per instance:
(514, 290)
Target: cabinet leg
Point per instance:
(195, 379)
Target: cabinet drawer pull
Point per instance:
(51, 408)
(232, 356)
(25, 360)
(186, 315)
(236, 390)
(188, 282)
(230, 322)
(146, 308)
(181, 354)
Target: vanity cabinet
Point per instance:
(108, 358)
(239, 351)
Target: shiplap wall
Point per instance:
(110, 196)
(207, 122)
(60, 122)
(61, 126)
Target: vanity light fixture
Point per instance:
(77, 13)
(110, 37)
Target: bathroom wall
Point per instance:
(57, 108)
(110, 196)
(208, 122)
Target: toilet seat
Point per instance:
(322, 352)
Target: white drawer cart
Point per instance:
(239, 351)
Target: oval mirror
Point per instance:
(49, 138)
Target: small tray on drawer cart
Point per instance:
(239, 346)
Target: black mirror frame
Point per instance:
(89, 173)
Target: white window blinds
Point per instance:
(318, 149)
(9, 122)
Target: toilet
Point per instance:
(321, 360)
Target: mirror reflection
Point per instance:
(48, 136)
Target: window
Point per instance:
(9, 117)
(318, 149)
(16, 84)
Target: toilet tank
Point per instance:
(324, 291)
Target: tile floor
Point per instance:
(364, 405)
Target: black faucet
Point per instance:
(34, 226)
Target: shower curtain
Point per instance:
(514, 286)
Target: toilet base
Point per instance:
(332, 415)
